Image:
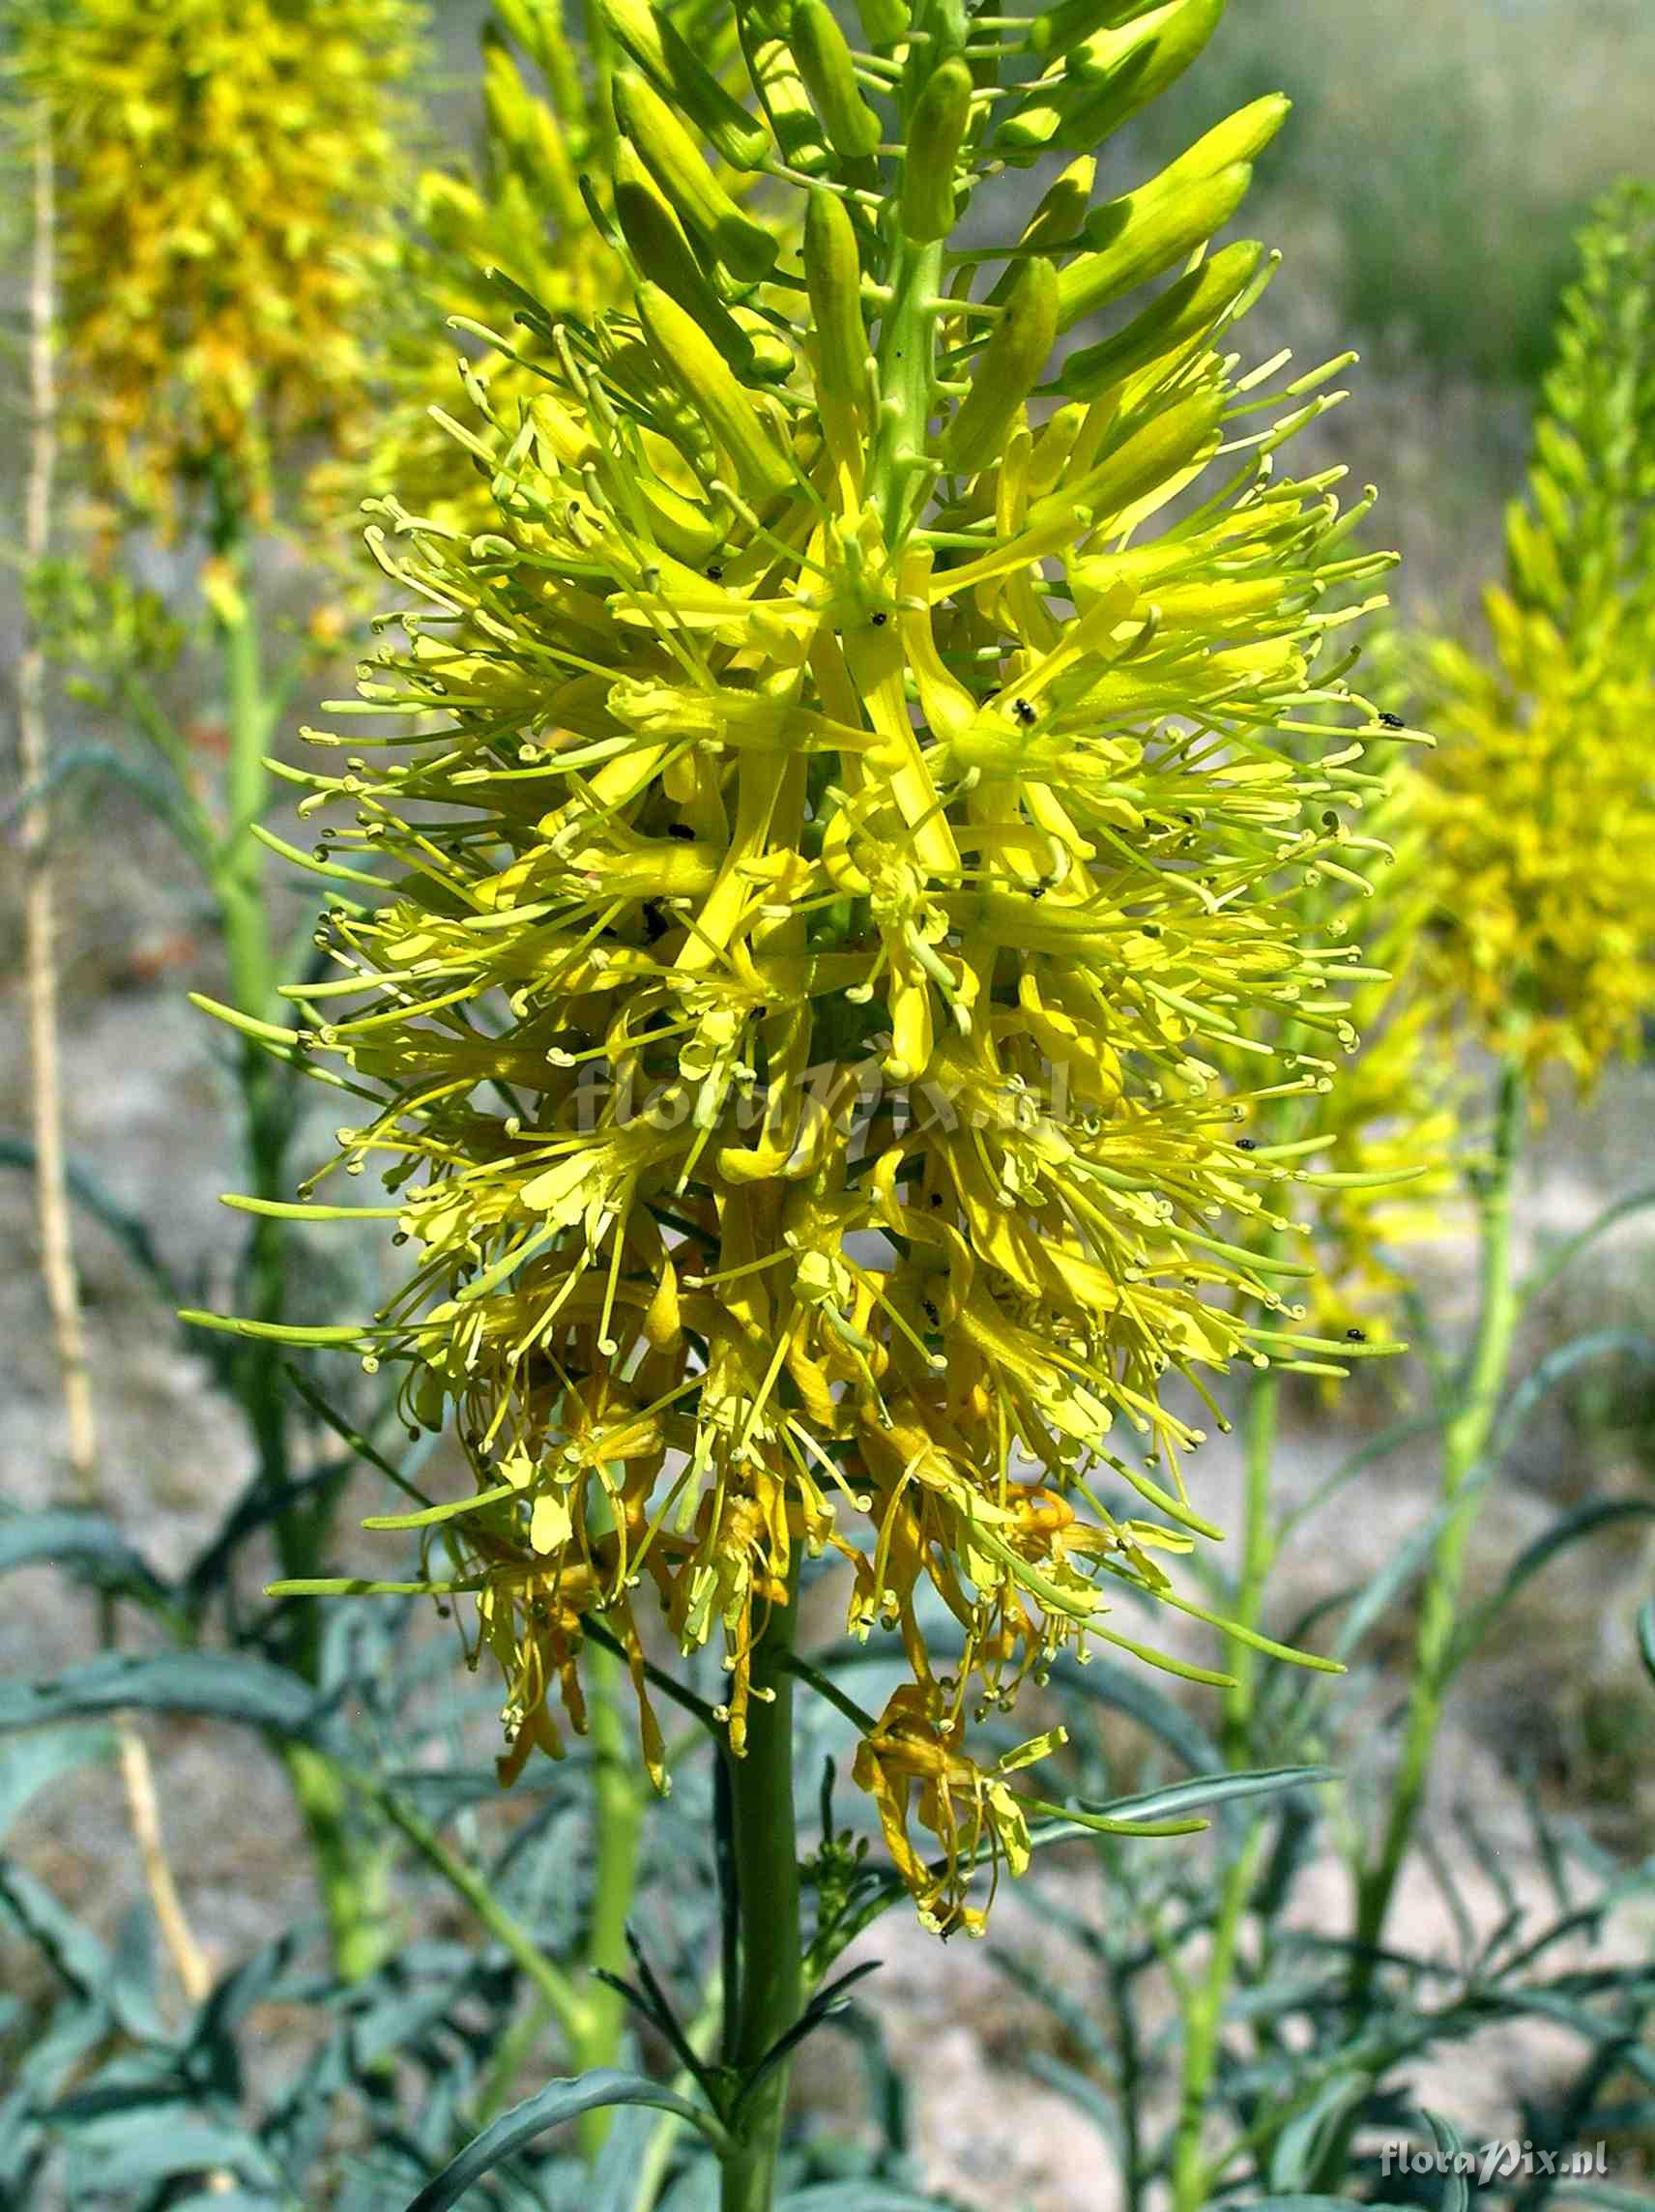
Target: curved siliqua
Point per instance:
(802, 869)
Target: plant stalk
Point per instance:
(1204, 2009)
(1463, 1445)
(766, 1853)
(618, 1814)
(39, 903)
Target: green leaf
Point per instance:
(128, 1230)
(30, 1763)
(1181, 1797)
(27, 1539)
(1395, 1574)
(1555, 1369)
(1571, 1529)
(221, 1685)
(549, 2108)
(858, 2197)
(1542, 1277)
(1302, 2140)
(1122, 1690)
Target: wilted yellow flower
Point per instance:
(1539, 806)
(230, 170)
(827, 832)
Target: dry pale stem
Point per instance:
(40, 919)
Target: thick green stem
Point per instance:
(1204, 2008)
(1463, 1443)
(764, 1849)
(617, 1815)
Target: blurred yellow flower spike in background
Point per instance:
(829, 829)
(230, 178)
(1540, 805)
(519, 217)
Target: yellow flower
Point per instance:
(1539, 806)
(830, 827)
(229, 174)
(913, 1767)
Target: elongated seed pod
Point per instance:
(687, 185)
(689, 359)
(678, 75)
(1185, 313)
(885, 22)
(665, 257)
(1008, 369)
(1057, 221)
(537, 29)
(761, 27)
(690, 533)
(527, 133)
(833, 277)
(1057, 29)
(829, 72)
(926, 211)
(1109, 77)
(1145, 231)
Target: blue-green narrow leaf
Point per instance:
(549, 2108)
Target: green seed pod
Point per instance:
(525, 130)
(665, 257)
(539, 31)
(1008, 369)
(833, 276)
(687, 185)
(1057, 221)
(780, 88)
(690, 533)
(691, 361)
(829, 72)
(1060, 28)
(1185, 313)
(885, 22)
(1109, 78)
(1146, 231)
(678, 75)
(1140, 60)
(926, 211)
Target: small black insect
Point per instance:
(1036, 891)
(682, 831)
(715, 575)
(1247, 1144)
(878, 618)
(1393, 721)
(1355, 1336)
(935, 1198)
(1024, 711)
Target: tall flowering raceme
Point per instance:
(825, 832)
(228, 169)
(1540, 805)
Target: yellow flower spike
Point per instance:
(839, 845)
(221, 253)
(1538, 806)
